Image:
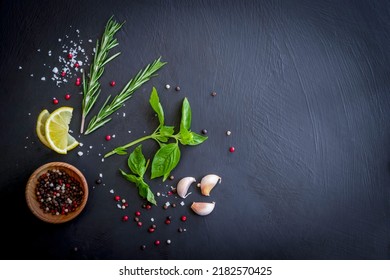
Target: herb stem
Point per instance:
(128, 145)
(91, 85)
(110, 106)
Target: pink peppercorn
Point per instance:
(138, 213)
(70, 56)
(232, 149)
(55, 101)
(67, 96)
(112, 83)
(108, 137)
(117, 198)
(125, 218)
(183, 218)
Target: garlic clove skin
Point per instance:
(208, 182)
(203, 208)
(183, 185)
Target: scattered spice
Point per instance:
(117, 198)
(232, 149)
(167, 86)
(125, 218)
(204, 131)
(183, 218)
(171, 177)
(143, 247)
(67, 96)
(213, 94)
(108, 137)
(138, 213)
(112, 83)
(55, 101)
(177, 88)
(228, 133)
(157, 242)
(98, 181)
(169, 241)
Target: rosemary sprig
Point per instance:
(110, 107)
(91, 86)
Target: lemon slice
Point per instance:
(57, 128)
(72, 143)
(40, 128)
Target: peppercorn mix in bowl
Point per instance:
(56, 192)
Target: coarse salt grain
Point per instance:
(111, 191)
(43, 79)
(182, 203)
(20, 67)
(81, 144)
(167, 203)
(80, 153)
(100, 175)
(119, 206)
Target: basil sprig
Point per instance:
(168, 155)
(138, 165)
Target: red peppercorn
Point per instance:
(112, 83)
(139, 224)
(67, 96)
(232, 149)
(157, 242)
(148, 206)
(151, 230)
(76, 65)
(77, 83)
(125, 204)
(167, 221)
(125, 218)
(138, 213)
(55, 101)
(117, 198)
(63, 73)
(183, 218)
(70, 56)
(108, 137)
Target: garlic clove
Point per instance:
(208, 182)
(203, 208)
(183, 185)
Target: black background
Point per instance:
(302, 85)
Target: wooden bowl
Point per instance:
(34, 204)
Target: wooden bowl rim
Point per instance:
(34, 205)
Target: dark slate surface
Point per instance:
(302, 85)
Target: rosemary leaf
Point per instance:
(117, 102)
(91, 85)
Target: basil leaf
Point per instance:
(185, 136)
(137, 161)
(129, 177)
(164, 133)
(156, 105)
(196, 139)
(165, 160)
(150, 197)
(120, 151)
(185, 122)
(167, 130)
(145, 192)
